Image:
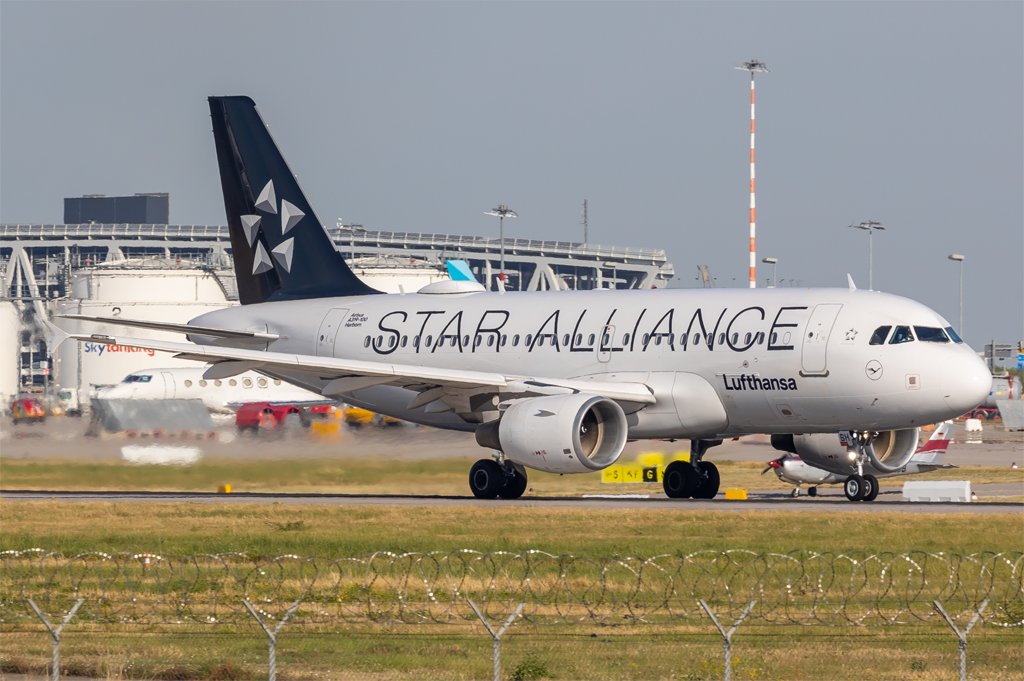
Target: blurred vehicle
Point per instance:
(256, 416)
(68, 402)
(358, 417)
(27, 410)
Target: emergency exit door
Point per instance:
(814, 356)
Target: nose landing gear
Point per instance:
(861, 487)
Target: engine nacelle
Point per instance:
(890, 450)
(559, 434)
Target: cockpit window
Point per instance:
(879, 336)
(133, 378)
(953, 335)
(930, 334)
(902, 334)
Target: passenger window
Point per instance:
(217, 383)
(465, 340)
(247, 383)
(188, 383)
(647, 338)
(515, 340)
(592, 339)
(366, 342)
(953, 335)
(429, 338)
(529, 339)
(202, 384)
(682, 340)
(232, 383)
(902, 334)
(490, 341)
(746, 338)
(502, 341)
(405, 339)
(879, 336)
(625, 339)
(262, 382)
(735, 338)
(565, 339)
(277, 381)
(721, 339)
(930, 334)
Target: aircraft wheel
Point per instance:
(680, 480)
(515, 484)
(871, 488)
(855, 488)
(708, 481)
(812, 491)
(486, 478)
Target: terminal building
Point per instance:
(151, 270)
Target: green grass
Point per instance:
(273, 529)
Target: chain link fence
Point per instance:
(548, 591)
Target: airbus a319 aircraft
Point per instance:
(559, 381)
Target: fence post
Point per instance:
(962, 635)
(272, 634)
(496, 636)
(55, 634)
(727, 635)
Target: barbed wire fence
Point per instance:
(455, 587)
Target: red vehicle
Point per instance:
(254, 416)
(27, 410)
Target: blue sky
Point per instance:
(420, 116)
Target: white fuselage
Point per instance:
(776, 360)
(218, 395)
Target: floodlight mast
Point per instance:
(753, 66)
(502, 212)
(957, 257)
(870, 226)
(773, 262)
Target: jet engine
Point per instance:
(890, 450)
(559, 434)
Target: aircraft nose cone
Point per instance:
(968, 384)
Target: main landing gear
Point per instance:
(697, 479)
(489, 479)
(861, 487)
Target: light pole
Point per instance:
(502, 212)
(773, 262)
(956, 257)
(870, 226)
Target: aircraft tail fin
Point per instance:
(280, 248)
(932, 451)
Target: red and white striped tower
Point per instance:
(753, 66)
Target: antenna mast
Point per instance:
(753, 66)
(585, 239)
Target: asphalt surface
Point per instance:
(62, 439)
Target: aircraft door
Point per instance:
(813, 357)
(169, 387)
(604, 345)
(329, 331)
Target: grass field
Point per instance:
(363, 652)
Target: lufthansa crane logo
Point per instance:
(873, 370)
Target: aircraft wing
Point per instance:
(348, 375)
(176, 328)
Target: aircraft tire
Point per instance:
(680, 480)
(708, 481)
(812, 491)
(871, 491)
(515, 485)
(486, 478)
(854, 488)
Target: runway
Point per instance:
(887, 501)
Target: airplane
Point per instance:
(791, 468)
(559, 381)
(218, 395)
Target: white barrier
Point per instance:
(937, 490)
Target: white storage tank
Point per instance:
(9, 341)
(152, 290)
